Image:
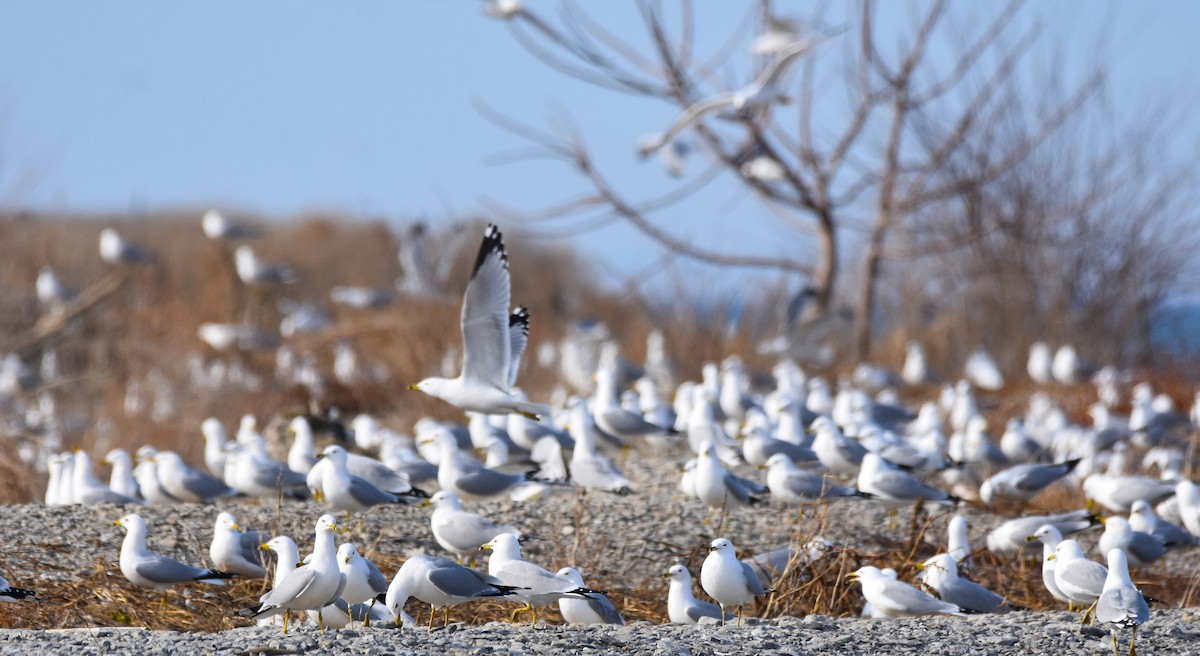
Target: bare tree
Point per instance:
(902, 143)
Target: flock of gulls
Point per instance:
(815, 443)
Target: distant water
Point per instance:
(1176, 329)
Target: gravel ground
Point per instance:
(623, 544)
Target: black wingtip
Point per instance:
(416, 493)
(520, 317)
(18, 593)
(493, 242)
(248, 612)
(1071, 464)
(865, 495)
(215, 574)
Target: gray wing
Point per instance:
(851, 450)
(469, 530)
(484, 320)
(99, 495)
(538, 580)
(703, 609)
(249, 546)
(292, 586)
(903, 598)
(203, 485)
(1172, 535)
(971, 596)
(367, 494)
(276, 475)
(337, 594)
(794, 452)
(899, 485)
(518, 336)
(1083, 574)
(813, 486)
(458, 581)
(378, 474)
(628, 424)
(160, 569)
(754, 584)
(375, 578)
(605, 609)
(1039, 476)
(1146, 547)
(486, 482)
(1122, 605)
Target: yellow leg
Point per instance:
(1071, 606)
(164, 600)
(321, 621)
(446, 616)
(367, 619)
(432, 611)
(534, 622)
(1133, 639)
(285, 622)
(515, 613)
(739, 619)
(1116, 650)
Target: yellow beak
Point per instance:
(414, 386)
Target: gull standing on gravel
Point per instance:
(615, 420)
(895, 488)
(958, 543)
(489, 334)
(1121, 603)
(892, 598)
(344, 491)
(470, 480)
(588, 467)
(1011, 536)
(121, 479)
(941, 574)
(596, 609)
(1078, 578)
(839, 454)
(364, 581)
(1049, 536)
(287, 558)
(441, 583)
(150, 570)
(234, 550)
(1023, 482)
(186, 483)
(682, 605)
(531, 583)
(728, 580)
(312, 586)
(460, 532)
(1142, 518)
(717, 487)
(1117, 493)
(790, 484)
(86, 490)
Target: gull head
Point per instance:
(335, 453)
(131, 522)
(504, 545)
(432, 386)
(722, 546)
(226, 520)
(326, 523)
(678, 573)
(347, 552)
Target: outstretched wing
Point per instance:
(518, 335)
(486, 341)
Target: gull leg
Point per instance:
(1116, 650)
(164, 600)
(534, 622)
(1133, 639)
(739, 619)
(515, 613)
(321, 621)
(892, 519)
(367, 619)
(446, 616)
(285, 622)
(432, 612)
(1089, 612)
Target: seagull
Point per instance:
(941, 574)
(1117, 493)
(185, 483)
(311, 586)
(1049, 536)
(115, 250)
(121, 479)
(891, 598)
(761, 93)
(957, 543)
(893, 487)
(86, 490)
(236, 551)
(470, 480)
(718, 488)
(51, 292)
(1143, 519)
(614, 419)
(839, 454)
(10, 594)
(596, 609)
(1023, 481)
(588, 467)
(1012, 535)
(441, 583)
(150, 570)
(1140, 548)
(916, 368)
(1120, 602)
(364, 581)
(219, 228)
(982, 370)
(531, 584)
(728, 580)
(489, 335)
(287, 558)
(460, 532)
(1078, 578)
(343, 490)
(789, 483)
(253, 271)
(1039, 363)
(682, 605)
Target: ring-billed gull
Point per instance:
(682, 605)
(958, 544)
(251, 270)
(344, 491)
(728, 580)
(788, 483)
(287, 557)
(891, 598)
(941, 574)
(588, 467)
(150, 570)
(717, 487)
(614, 419)
(1011, 536)
(1117, 493)
(489, 334)
(1049, 536)
(121, 479)
(86, 490)
(218, 227)
(532, 584)
(460, 532)
(1039, 363)
(469, 480)
(234, 550)
(1080, 579)
(596, 609)
(1121, 603)
(186, 483)
(441, 583)
(839, 454)
(895, 488)
(9, 593)
(1023, 481)
(1140, 548)
(364, 581)
(311, 586)
(1142, 518)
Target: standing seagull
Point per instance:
(682, 605)
(150, 570)
(727, 579)
(530, 583)
(489, 335)
(441, 583)
(595, 610)
(312, 586)
(1120, 603)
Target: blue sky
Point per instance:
(366, 108)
